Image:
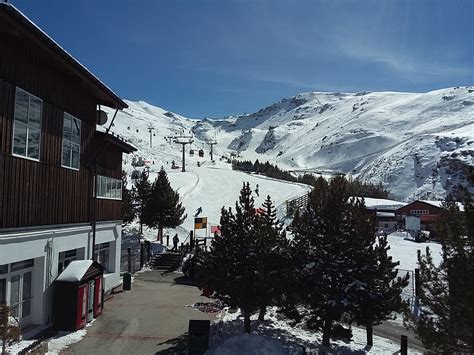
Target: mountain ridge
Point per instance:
(419, 145)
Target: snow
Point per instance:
(62, 340)
(405, 250)
(380, 203)
(276, 333)
(440, 204)
(416, 144)
(75, 270)
(249, 344)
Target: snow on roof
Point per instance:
(75, 270)
(385, 214)
(381, 203)
(35, 26)
(439, 204)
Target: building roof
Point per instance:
(104, 94)
(75, 270)
(440, 203)
(116, 140)
(382, 204)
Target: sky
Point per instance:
(213, 58)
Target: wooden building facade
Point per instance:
(42, 191)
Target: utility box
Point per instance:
(78, 295)
(198, 336)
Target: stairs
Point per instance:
(168, 261)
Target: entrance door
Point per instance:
(20, 296)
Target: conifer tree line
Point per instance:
(156, 204)
(446, 321)
(355, 186)
(333, 267)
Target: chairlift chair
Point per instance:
(201, 153)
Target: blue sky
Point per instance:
(213, 58)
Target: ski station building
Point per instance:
(60, 173)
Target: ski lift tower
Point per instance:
(183, 140)
(151, 129)
(212, 142)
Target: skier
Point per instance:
(175, 242)
(256, 190)
(198, 212)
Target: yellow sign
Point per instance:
(200, 223)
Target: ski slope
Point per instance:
(419, 145)
(213, 186)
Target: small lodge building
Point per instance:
(384, 211)
(60, 178)
(427, 211)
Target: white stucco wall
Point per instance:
(44, 246)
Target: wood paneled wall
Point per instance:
(44, 193)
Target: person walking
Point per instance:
(175, 242)
(256, 190)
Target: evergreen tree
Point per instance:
(378, 291)
(272, 252)
(128, 210)
(163, 209)
(141, 195)
(446, 321)
(332, 240)
(229, 268)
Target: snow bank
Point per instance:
(249, 344)
(63, 340)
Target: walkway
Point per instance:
(151, 318)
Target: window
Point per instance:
(418, 212)
(22, 264)
(27, 125)
(3, 269)
(101, 253)
(109, 188)
(3, 291)
(65, 258)
(71, 141)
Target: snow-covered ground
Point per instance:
(417, 144)
(278, 337)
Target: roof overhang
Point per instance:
(117, 141)
(22, 24)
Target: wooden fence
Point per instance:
(297, 203)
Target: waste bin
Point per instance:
(198, 336)
(127, 281)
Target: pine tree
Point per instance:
(446, 321)
(128, 209)
(330, 240)
(141, 195)
(163, 209)
(272, 253)
(378, 290)
(229, 268)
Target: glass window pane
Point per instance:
(75, 156)
(33, 143)
(19, 139)
(22, 264)
(67, 127)
(119, 189)
(3, 269)
(34, 114)
(109, 187)
(76, 131)
(66, 153)
(14, 294)
(21, 106)
(114, 188)
(26, 300)
(103, 186)
(3, 291)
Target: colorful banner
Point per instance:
(215, 229)
(200, 223)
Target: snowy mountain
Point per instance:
(419, 145)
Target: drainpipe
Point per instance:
(94, 184)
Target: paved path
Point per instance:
(151, 318)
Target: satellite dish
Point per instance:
(101, 117)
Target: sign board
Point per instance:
(412, 223)
(200, 223)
